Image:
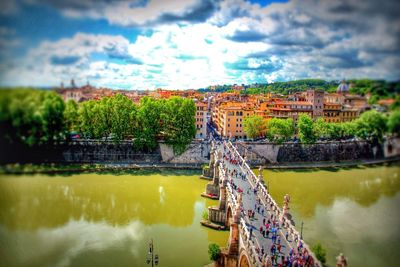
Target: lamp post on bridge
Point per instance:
(301, 231)
(151, 258)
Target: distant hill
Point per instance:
(378, 89)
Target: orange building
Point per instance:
(332, 112)
(229, 117)
(290, 109)
(201, 119)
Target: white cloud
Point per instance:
(239, 43)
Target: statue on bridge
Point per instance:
(341, 260)
(260, 175)
(286, 205)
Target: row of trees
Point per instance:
(371, 125)
(39, 117)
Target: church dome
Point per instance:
(343, 87)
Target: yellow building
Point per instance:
(229, 117)
(332, 112)
(201, 119)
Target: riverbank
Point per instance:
(351, 163)
(77, 168)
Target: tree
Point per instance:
(254, 126)
(280, 129)
(371, 124)
(71, 116)
(87, 119)
(214, 251)
(32, 116)
(322, 128)
(148, 123)
(179, 122)
(348, 129)
(393, 123)
(123, 123)
(319, 252)
(305, 128)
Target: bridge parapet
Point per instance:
(240, 190)
(266, 200)
(248, 244)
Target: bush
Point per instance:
(206, 167)
(319, 252)
(214, 251)
(205, 215)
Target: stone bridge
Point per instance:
(261, 234)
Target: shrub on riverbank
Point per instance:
(214, 251)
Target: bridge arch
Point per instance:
(244, 259)
(229, 216)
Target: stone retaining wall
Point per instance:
(269, 153)
(198, 152)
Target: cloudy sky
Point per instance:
(179, 44)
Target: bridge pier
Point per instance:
(212, 188)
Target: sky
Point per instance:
(185, 44)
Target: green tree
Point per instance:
(87, 119)
(148, 123)
(322, 128)
(71, 116)
(179, 122)
(214, 251)
(254, 126)
(393, 123)
(319, 252)
(123, 123)
(396, 104)
(371, 124)
(280, 129)
(306, 129)
(349, 129)
(32, 116)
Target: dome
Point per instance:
(343, 87)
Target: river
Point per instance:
(107, 219)
(350, 210)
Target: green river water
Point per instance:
(107, 219)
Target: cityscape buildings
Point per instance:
(226, 111)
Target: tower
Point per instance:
(316, 98)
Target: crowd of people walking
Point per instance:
(276, 243)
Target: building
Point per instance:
(316, 98)
(201, 119)
(290, 109)
(228, 118)
(332, 112)
(343, 88)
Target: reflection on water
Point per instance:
(103, 220)
(354, 211)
